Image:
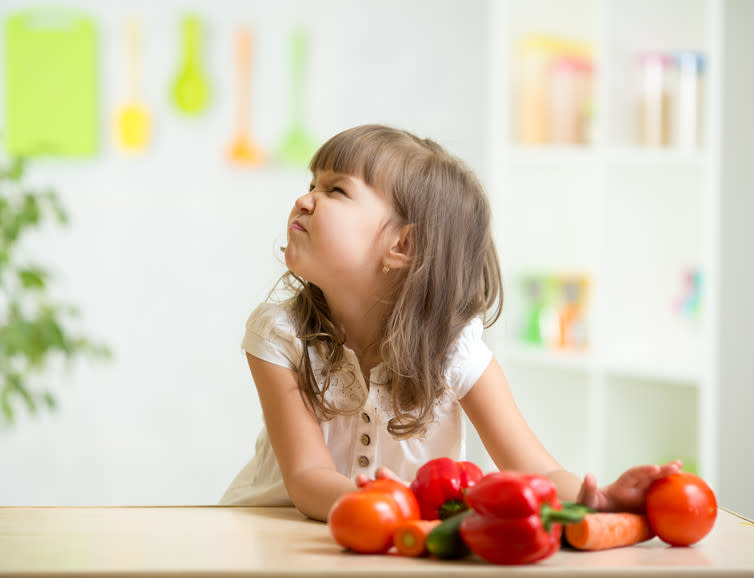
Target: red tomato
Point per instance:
(402, 494)
(681, 508)
(365, 521)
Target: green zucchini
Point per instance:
(444, 541)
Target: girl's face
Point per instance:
(338, 231)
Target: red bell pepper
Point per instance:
(516, 518)
(440, 485)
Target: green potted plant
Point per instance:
(32, 324)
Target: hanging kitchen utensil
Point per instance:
(243, 149)
(51, 85)
(298, 145)
(132, 124)
(191, 87)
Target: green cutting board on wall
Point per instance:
(50, 83)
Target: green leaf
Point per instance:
(5, 404)
(30, 335)
(32, 278)
(15, 381)
(30, 213)
(16, 170)
(50, 401)
(57, 208)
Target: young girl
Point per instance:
(365, 371)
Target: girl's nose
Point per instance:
(305, 203)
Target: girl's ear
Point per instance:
(400, 255)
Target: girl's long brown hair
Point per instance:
(453, 277)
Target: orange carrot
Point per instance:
(608, 530)
(411, 536)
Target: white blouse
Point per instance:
(360, 442)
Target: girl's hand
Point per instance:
(627, 493)
(380, 473)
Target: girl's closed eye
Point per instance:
(338, 190)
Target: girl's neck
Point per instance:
(364, 326)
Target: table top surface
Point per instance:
(165, 541)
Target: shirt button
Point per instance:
(365, 417)
(365, 439)
(363, 461)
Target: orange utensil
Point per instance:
(243, 150)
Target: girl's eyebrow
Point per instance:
(341, 179)
(332, 178)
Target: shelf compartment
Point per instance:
(554, 405)
(548, 357)
(687, 376)
(653, 239)
(650, 422)
(653, 157)
(554, 229)
(668, 26)
(550, 50)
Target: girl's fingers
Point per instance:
(380, 473)
(588, 493)
(671, 468)
(383, 473)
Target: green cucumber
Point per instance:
(444, 541)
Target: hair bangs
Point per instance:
(360, 152)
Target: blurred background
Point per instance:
(614, 140)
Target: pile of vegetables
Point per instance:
(451, 510)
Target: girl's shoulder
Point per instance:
(469, 340)
(269, 316)
(271, 335)
(467, 358)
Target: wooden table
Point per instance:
(280, 542)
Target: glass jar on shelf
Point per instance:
(688, 106)
(554, 89)
(570, 100)
(654, 99)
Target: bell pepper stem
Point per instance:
(451, 508)
(569, 513)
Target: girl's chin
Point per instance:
(288, 255)
(292, 265)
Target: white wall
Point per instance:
(735, 370)
(168, 252)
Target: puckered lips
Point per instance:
(297, 226)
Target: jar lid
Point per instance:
(654, 59)
(689, 59)
(572, 64)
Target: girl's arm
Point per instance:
(308, 470)
(512, 445)
(509, 440)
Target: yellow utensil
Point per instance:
(132, 124)
(243, 149)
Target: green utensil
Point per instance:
(51, 83)
(191, 87)
(298, 145)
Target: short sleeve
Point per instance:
(468, 358)
(270, 336)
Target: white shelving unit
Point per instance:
(633, 220)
